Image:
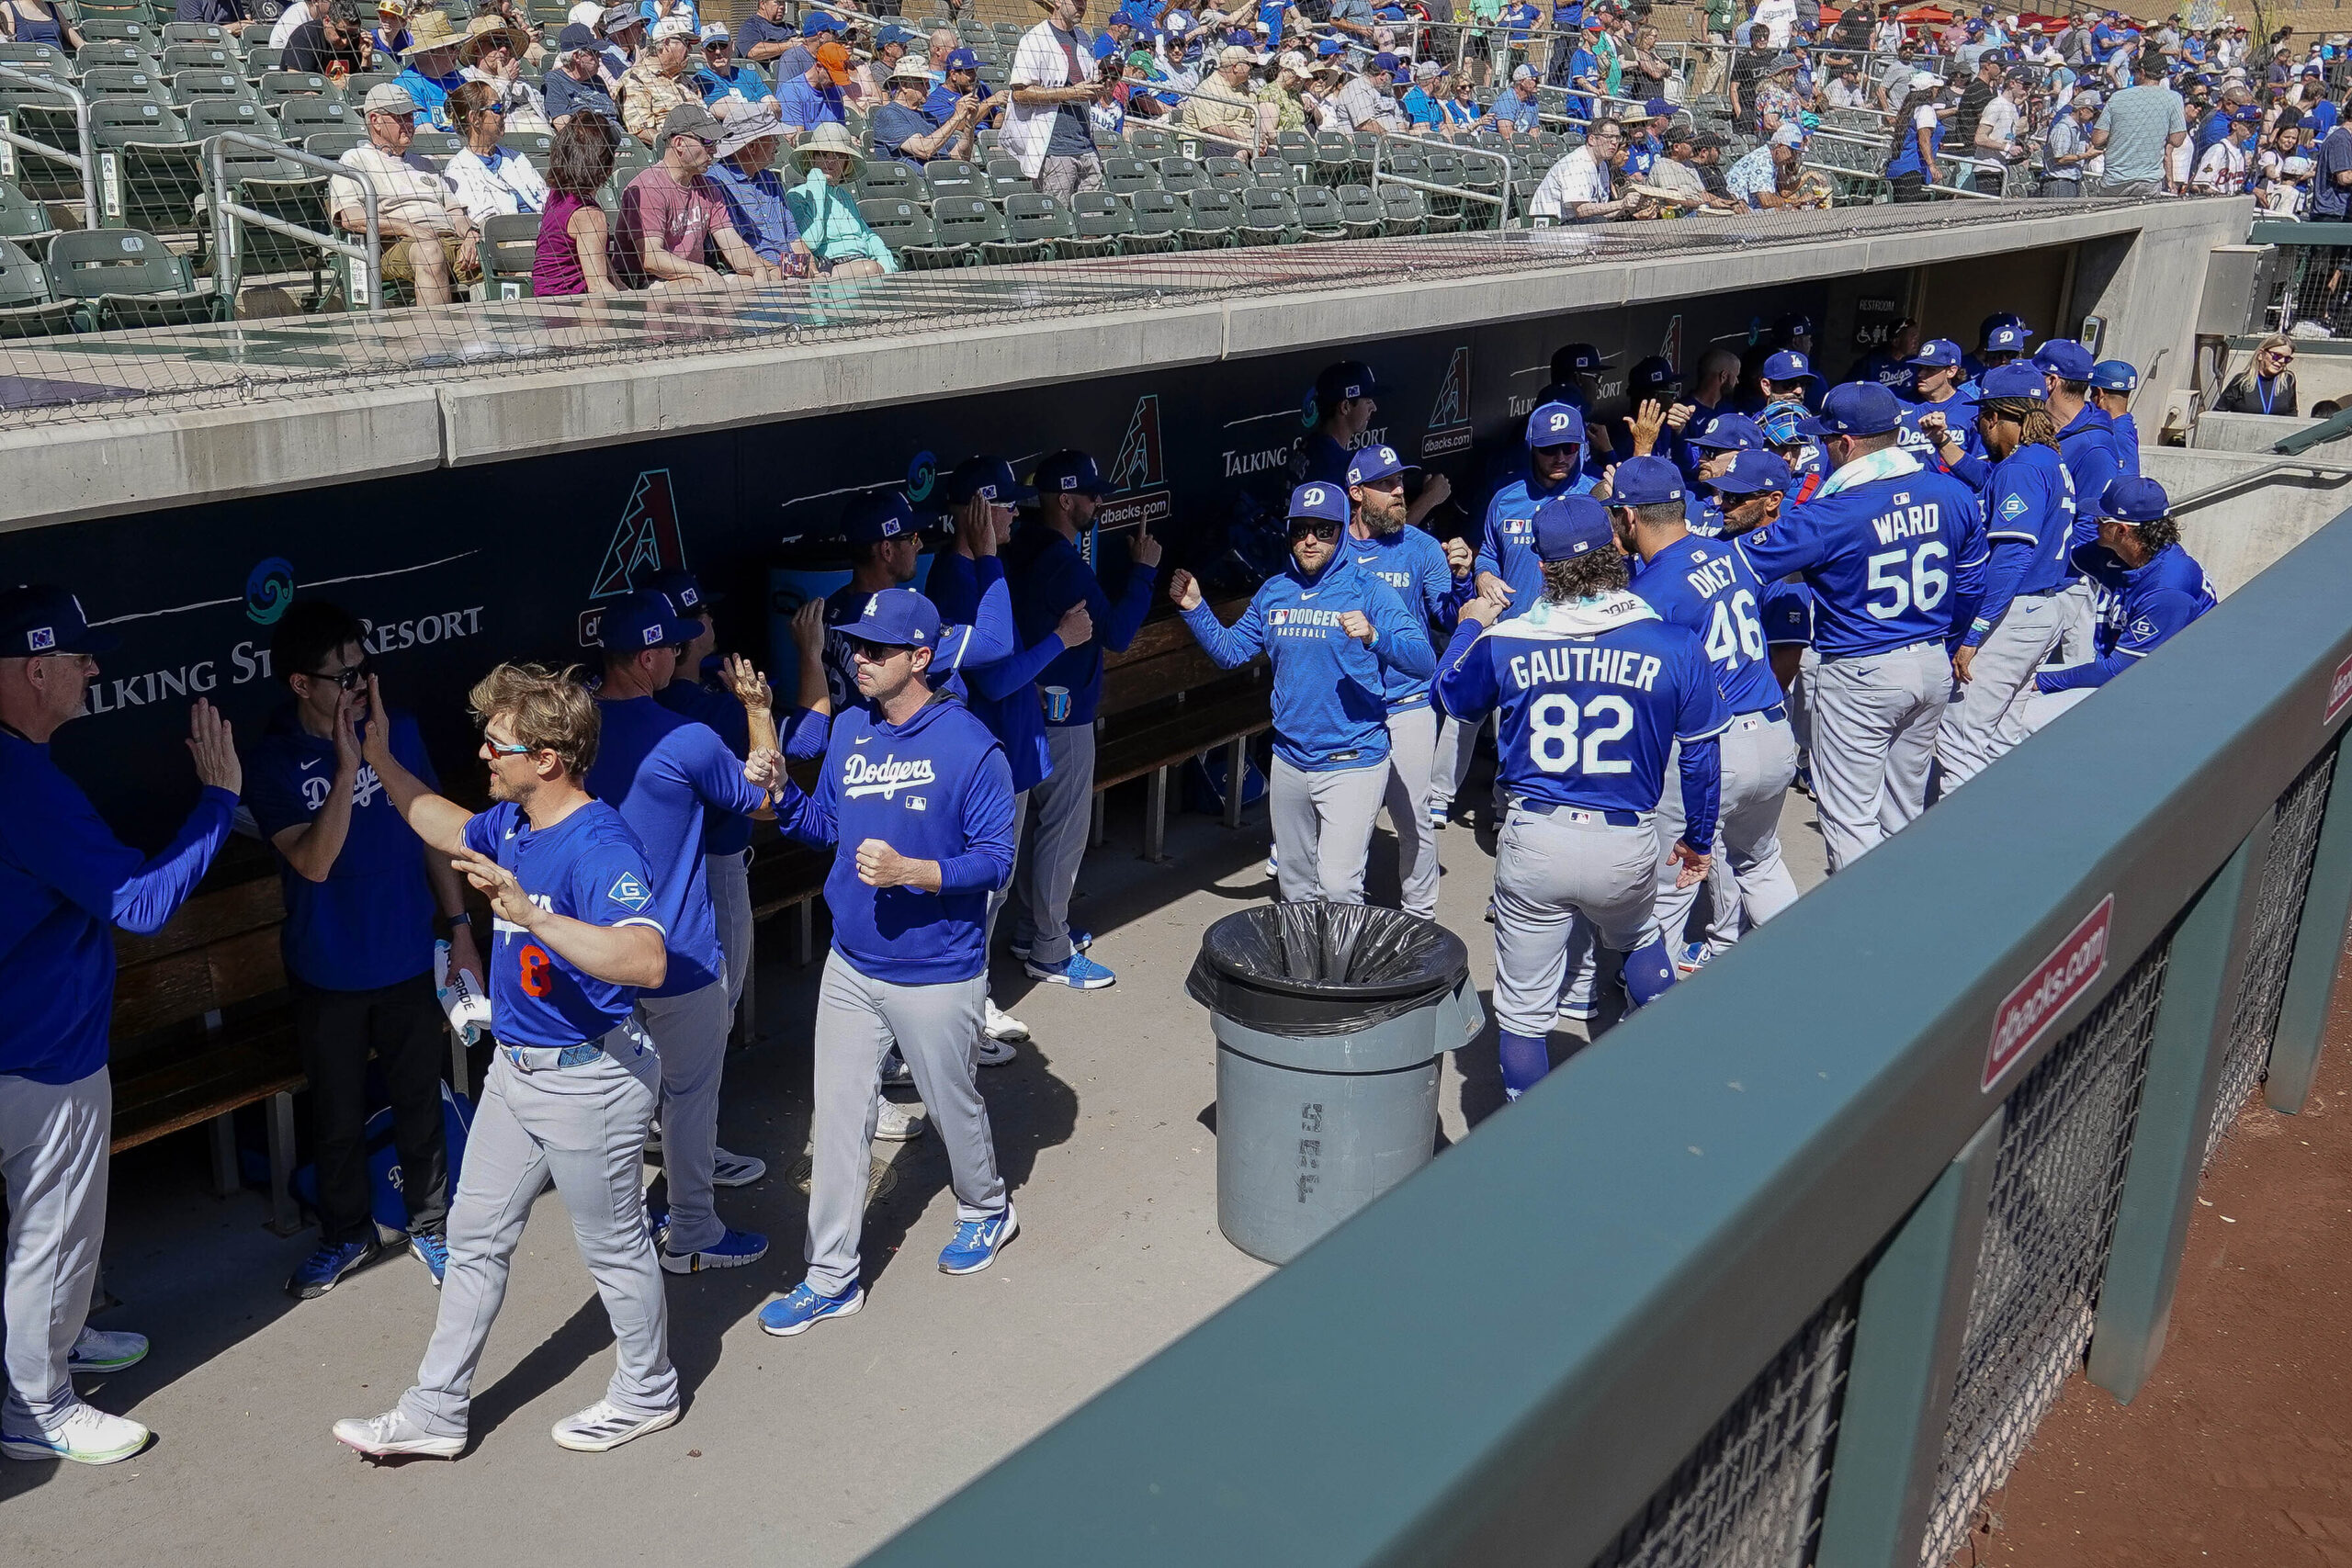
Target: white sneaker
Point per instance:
(1000, 1025)
(600, 1428)
(994, 1053)
(901, 1123)
(101, 1350)
(735, 1170)
(393, 1435)
(84, 1434)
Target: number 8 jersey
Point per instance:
(1592, 695)
(588, 866)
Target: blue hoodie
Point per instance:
(1413, 565)
(1330, 702)
(2158, 600)
(1002, 695)
(1049, 576)
(723, 833)
(933, 788)
(2086, 446)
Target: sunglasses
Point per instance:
(2277, 356)
(1321, 530)
(873, 652)
(497, 751)
(348, 679)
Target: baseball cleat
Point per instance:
(801, 1309)
(393, 1435)
(99, 1350)
(601, 1427)
(735, 1170)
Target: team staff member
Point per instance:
(1345, 400)
(886, 547)
(2029, 520)
(364, 901)
(2086, 446)
(2139, 558)
(1332, 632)
(64, 881)
(667, 776)
(917, 802)
(1884, 543)
(1936, 371)
(1049, 576)
(573, 1084)
(1592, 691)
(1507, 568)
(2112, 383)
(1413, 565)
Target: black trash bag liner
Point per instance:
(1309, 969)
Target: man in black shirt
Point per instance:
(574, 84)
(332, 45)
(1960, 136)
(1706, 159)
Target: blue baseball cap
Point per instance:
(2008, 335)
(1730, 433)
(1937, 354)
(1321, 501)
(1788, 365)
(2247, 116)
(685, 593)
(1377, 462)
(2065, 358)
(2018, 380)
(1576, 357)
(2134, 500)
(1855, 408)
(1782, 425)
(896, 617)
(1555, 424)
(1753, 473)
(878, 515)
(1349, 378)
(893, 35)
(1659, 108)
(1385, 61)
(644, 619)
(1794, 324)
(1567, 526)
(2115, 376)
(818, 23)
(1645, 482)
(1329, 46)
(1069, 472)
(38, 618)
(990, 477)
(962, 59)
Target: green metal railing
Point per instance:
(1786, 1269)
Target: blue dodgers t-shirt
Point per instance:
(589, 867)
(371, 922)
(1413, 565)
(665, 773)
(1702, 586)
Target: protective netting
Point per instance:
(2278, 910)
(1750, 1493)
(2066, 1138)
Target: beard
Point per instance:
(1385, 524)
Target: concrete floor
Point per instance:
(802, 1451)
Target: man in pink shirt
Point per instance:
(672, 210)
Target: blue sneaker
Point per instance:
(1077, 971)
(657, 1221)
(802, 1309)
(330, 1265)
(733, 1249)
(977, 1243)
(432, 1251)
(1080, 941)
(1689, 958)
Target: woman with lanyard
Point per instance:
(1919, 131)
(2266, 386)
(492, 181)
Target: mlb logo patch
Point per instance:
(915, 802)
(41, 639)
(629, 892)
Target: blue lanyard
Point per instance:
(2265, 389)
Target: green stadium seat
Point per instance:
(292, 193)
(535, 145)
(898, 221)
(1226, 174)
(1181, 176)
(888, 179)
(333, 144)
(1212, 221)
(197, 57)
(114, 30)
(94, 55)
(28, 306)
(194, 32)
(1360, 212)
(302, 116)
(189, 87)
(124, 82)
(1005, 178)
(951, 177)
(1335, 156)
(49, 119)
(276, 88)
(25, 221)
(124, 277)
(1099, 221)
(1148, 141)
(924, 248)
(40, 55)
(261, 61)
(633, 159)
(971, 221)
(1268, 217)
(1160, 219)
(510, 248)
(1405, 211)
(1444, 169)
(356, 86)
(1320, 214)
(1363, 145)
(1295, 148)
(1273, 172)
(1126, 176)
(1033, 224)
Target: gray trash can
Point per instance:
(1330, 1019)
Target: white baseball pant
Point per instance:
(1749, 883)
(1876, 717)
(53, 1155)
(1412, 746)
(1323, 828)
(1985, 718)
(1557, 873)
(690, 1033)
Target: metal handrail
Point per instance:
(1501, 199)
(85, 163)
(223, 209)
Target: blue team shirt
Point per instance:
(665, 774)
(1047, 576)
(1002, 695)
(1321, 459)
(1507, 548)
(1413, 565)
(2125, 433)
(2088, 446)
(2031, 498)
(1787, 614)
(1960, 418)
(1701, 585)
(2155, 600)
(370, 923)
(589, 867)
(723, 833)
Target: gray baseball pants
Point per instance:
(1323, 830)
(1556, 873)
(731, 898)
(1412, 748)
(584, 1127)
(690, 1034)
(1875, 722)
(997, 897)
(934, 1028)
(1986, 719)
(1456, 744)
(53, 1155)
(1053, 842)
(1748, 877)
(2078, 613)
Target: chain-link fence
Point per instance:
(2278, 910)
(1749, 1496)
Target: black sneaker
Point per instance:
(330, 1265)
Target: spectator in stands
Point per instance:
(574, 88)
(574, 239)
(229, 16)
(281, 31)
(729, 89)
(1221, 108)
(493, 53)
(1756, 179)
(814, 98)
(365, 902)
(1515, 111)
(1366, 102)
(943, 42)
(2067, 146)
(1646, 139)
(671, 213)
(1579, 188)
(2224, 168)
(334, 44)
(1918, 134)
(1679, 171)
(1845, 89)
(1776, 98)
(1421, 102)
(1893, 81)
(870, 75)
(754, 192)
(2267, 385)
(901, 130)
(1053, 82)
(390, 35)
(1707, 157)
(839, 243)
(2137, 130)
(429, 238)
(490, 179)
(624, 32)
(961, 80)
(429, 67)
(765, 34)
(66, 884)
(1285, 94)
(658, 84)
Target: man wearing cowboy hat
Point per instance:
(729, 89)
(814, 98)
(902, 131)
(429, 66)
(658, 83)
(754, 191)
(670, 211)
(493, 53)
(428, 238)
(1221, 106)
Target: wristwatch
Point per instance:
(446, 926)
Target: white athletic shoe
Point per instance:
(735, 1170)
(393, 1435)
(901, 1123)
(99, 1350)
(1002, 1025)
(994, 1053)
(84, 1434)
(600, 1428)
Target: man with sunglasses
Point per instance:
(364, 903)
(1333, 633)
(1889, 546)
(66, 884)
(1508, 570)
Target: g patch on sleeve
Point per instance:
(629, 892)
(2013, 508)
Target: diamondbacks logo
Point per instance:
(1449, 421)
(862, 777)
(1137, 476)
(629, 892)
(645, 541)
(1669, 347)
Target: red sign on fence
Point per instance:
(2059, 979)
(2339, 692)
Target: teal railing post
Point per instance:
(2184, 1052)
(1906, 1362)
(2319, 947)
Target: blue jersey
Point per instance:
(1880, 553)
(2087, 446)
(1002, 695)
(1331, 692)
(1787, 614)
(1703, 510)
(2157, 601)
(589, 867)
(2125, 432)
(1506, 548)
(1702, 586)
(1047, 576)
(1413, 564)
(2031, 500)
(1960, 418)
(370, 924)
(1590, 697)
(723, 833)
(1320, 460)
